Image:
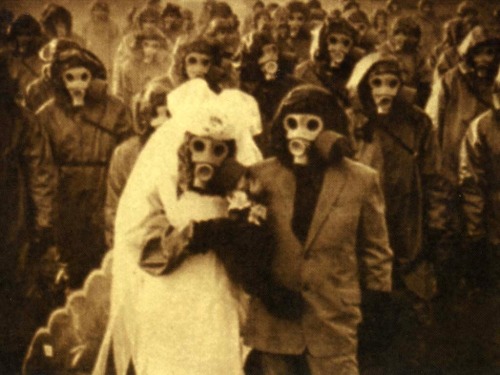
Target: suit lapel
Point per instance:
(333, 184)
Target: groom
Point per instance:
(331, 239)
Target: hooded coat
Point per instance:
(316, 69)
(102, 37)
(82, 143)
(416, 71)
(132, 75)
(479, 178)
(27, 189)
(403, 148)
(26, 66)
(456, 100)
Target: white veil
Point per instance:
(152, 189)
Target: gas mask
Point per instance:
(339, 45)
(484, 60)
(263, 23)
(301, 131)
(296, 21)
(268, 62)
(207, 155)
(100, 15)
(361, 27)
(23, 44)
(61, 30)
(197, 65)
(384, 88)
(150, 50)
(77, 81)
(403, 42)
(169, 22)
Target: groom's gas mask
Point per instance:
(311, 126)
(384, 82)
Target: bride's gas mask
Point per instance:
(385, 82)
(209, 161)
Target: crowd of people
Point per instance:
(289, 193)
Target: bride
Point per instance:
(184, 318)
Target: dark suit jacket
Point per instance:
(347, 247)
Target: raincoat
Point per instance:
(82, 143)
(403, 148)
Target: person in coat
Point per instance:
(263, 77)
(84, 125)
(446, 55)
(479, 175)
(462, 94)
(332, 58)
(149, 60)
(198, 58)
(331, 241)
(398, 140)
(149, 109)
(25, 36)
(145, 18)
(300, 37)
(41, 89)
(101, 34)
(26, 216)
(429, 24)
(404, 44)
(57, 22)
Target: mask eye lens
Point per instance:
(69, 77)
(346, 43)
(333, 40)
(219, 150)
(205, 62)
(85, 77)
(393, 83)
(376, 82)
(192, 60)
(312, 125)
(291, 124)
(198, 146)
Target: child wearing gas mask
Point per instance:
(327, 216)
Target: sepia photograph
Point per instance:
(249, 187)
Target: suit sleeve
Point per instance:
(473, 182)
(375, 254)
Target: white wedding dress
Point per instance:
(186, 322)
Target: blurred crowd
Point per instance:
(417, 99)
